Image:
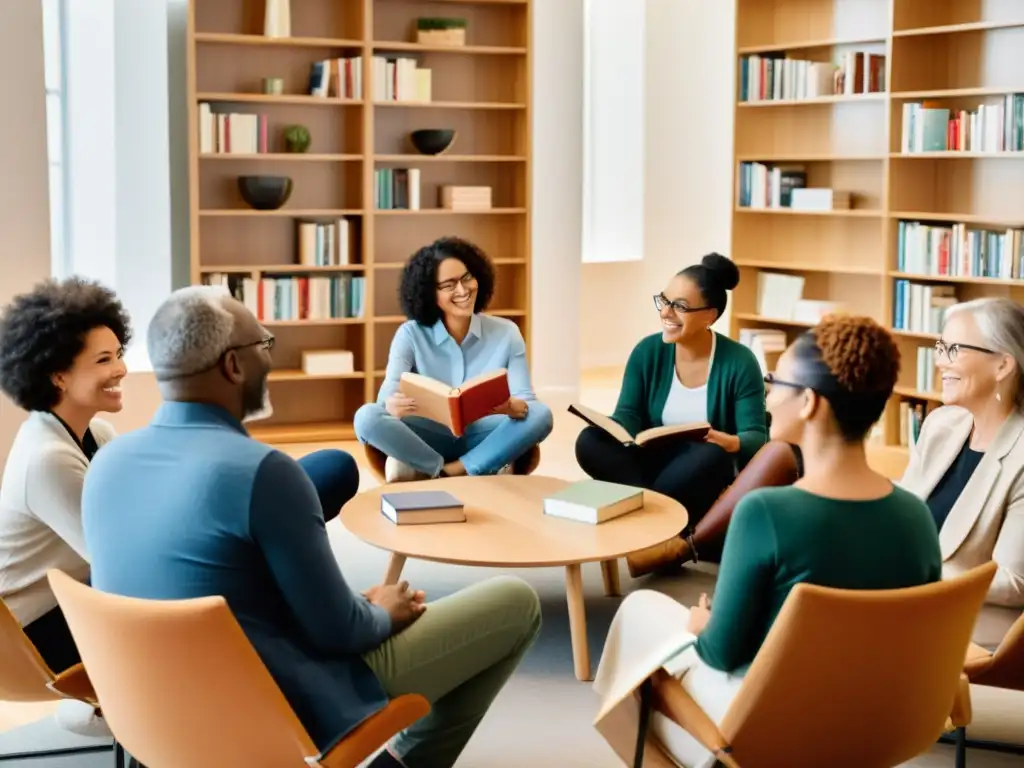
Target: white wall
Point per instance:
(557, 197)
(689, 115)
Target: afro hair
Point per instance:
(418, 289)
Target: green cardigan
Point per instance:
(735, 392)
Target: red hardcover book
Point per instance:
(457, 407)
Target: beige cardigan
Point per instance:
(987, 520)
(41, 512)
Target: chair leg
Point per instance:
(961, 747)
(118, 755)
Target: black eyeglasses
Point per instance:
(952, 351)
(661, 301)
(266, 343)
(770, 380)
(449, 285)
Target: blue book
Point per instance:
(421, 507)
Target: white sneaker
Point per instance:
(397, 472)
(78, 717)
(506, 470)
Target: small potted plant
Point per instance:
(297, 138)
(441, 31)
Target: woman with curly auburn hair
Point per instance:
(841, 525)
(61, 359)
(446, 286)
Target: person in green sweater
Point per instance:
(685, 374)
(841, 525)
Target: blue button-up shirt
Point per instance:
(492, 343)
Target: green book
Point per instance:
(594, 501)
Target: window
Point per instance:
(53, 53)
(613, 130)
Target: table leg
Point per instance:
(577, 621)
(395, 566)
(610, 574)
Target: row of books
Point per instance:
(920, 308)
(769, 186)
(957, 251)
(911, 418)
(990, 128)
(325, 243)
(396, 188)
(400, 79)
(925, 369)
(297, 297)
(340, 78)
(773, 77)
(233, 133)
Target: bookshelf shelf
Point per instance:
(279, 268)
(907, 234)
(281, 212)
(284, 99)
(415, 159)
(381, 46)
(283, 157)
(275, 42)
(450, 105)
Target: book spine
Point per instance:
(455, 409)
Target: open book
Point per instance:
(457, 407)
(695, 431)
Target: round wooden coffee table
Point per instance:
(506, 528)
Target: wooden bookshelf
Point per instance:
(959, 55)
(481, 90)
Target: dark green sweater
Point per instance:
(779, 537)
(735, 391)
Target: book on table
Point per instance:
(594, 501)
(457, 407)
(694, 431)
(422, 507)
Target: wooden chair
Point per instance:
(829, 687)
(25, 677)
(181, 685)
(524, 465)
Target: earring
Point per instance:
(999, 397)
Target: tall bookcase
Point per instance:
(480, 89)
(934, 208)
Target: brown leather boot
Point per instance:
(661, 557)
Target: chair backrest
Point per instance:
(1006, 669)
(856, 678)
(23, 673)
(179, 682)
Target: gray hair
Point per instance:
(189, 332)
(1001, 322)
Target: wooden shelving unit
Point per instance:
(481, 90)
(944, 54)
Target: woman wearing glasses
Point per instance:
(687, 373)
(968, 463)
(841, 525)
(445, 288)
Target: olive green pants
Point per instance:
(458, 654)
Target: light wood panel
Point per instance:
(956, 54)
(481, 90)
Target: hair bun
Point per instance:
(722, 271)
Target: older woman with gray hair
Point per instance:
(968, 463)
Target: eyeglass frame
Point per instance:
(943, 348)
(267, 343)
(675, 305)
(448, 286)
(770, 380)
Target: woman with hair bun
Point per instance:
(842, 525)
(687, 373)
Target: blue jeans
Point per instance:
(335, 476)
(488, 445)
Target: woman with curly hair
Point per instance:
(841, 525)
(445, 288)
(61, 359)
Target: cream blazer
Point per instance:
(987, 520)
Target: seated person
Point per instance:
(446, 286)
(61, 348)
(968, 463)
(687, 373)
(841, 525)
(228, 515)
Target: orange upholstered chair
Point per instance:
(846, 678)
(524, 465)
(182, 686)
(25, 677)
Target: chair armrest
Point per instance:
(74, 683)
(367, 737)
(671, 699)
(962, 712)
(977, 661)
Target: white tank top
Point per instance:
(686, 405)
